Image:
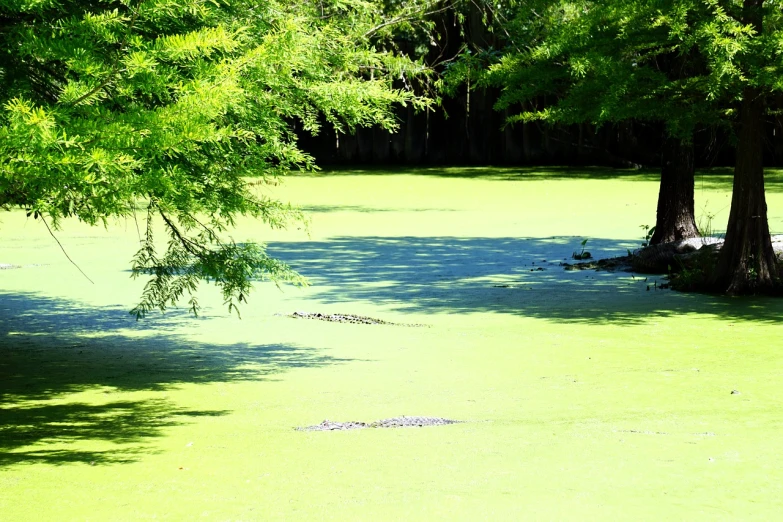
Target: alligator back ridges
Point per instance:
(661, 259)
(347, 318)
(394, 422)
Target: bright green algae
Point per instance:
(586, 395)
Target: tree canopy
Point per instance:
(184, 106)
(686, 63)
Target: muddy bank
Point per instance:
(667, 257)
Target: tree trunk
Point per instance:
(675, 217)
(747, 262)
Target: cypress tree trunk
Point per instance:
(747, 262)
(675, 216)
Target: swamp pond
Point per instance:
(582, 394)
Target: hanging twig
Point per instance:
(64, 252)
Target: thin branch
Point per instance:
(189, 245)
(136, 220)
(213, 236)
(64, 252)
(405, 18)
(498, 17)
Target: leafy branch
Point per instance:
(189, 260)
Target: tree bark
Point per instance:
(747, 262)
(675, 217)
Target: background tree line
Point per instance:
(466, 129)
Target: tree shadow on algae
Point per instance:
(44, 355)
(512, 275)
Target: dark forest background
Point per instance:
(466, 130)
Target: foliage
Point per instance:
(183, 106)
(705, 223)
(694, 275)
(685, 63)
(682, 62)
(649, 231)
(582, 254)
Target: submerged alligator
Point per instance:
(7, 266)
(347, 318)
(394, 422)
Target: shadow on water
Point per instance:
(44, 432)
(50, 348)
(505, 275)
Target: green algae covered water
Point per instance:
(584, 395)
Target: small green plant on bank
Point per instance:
(582, 254)
(753, 273)
(705, 224)
(694, 275)
(648, 234)
(687, 279)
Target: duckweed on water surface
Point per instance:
(584, 395)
